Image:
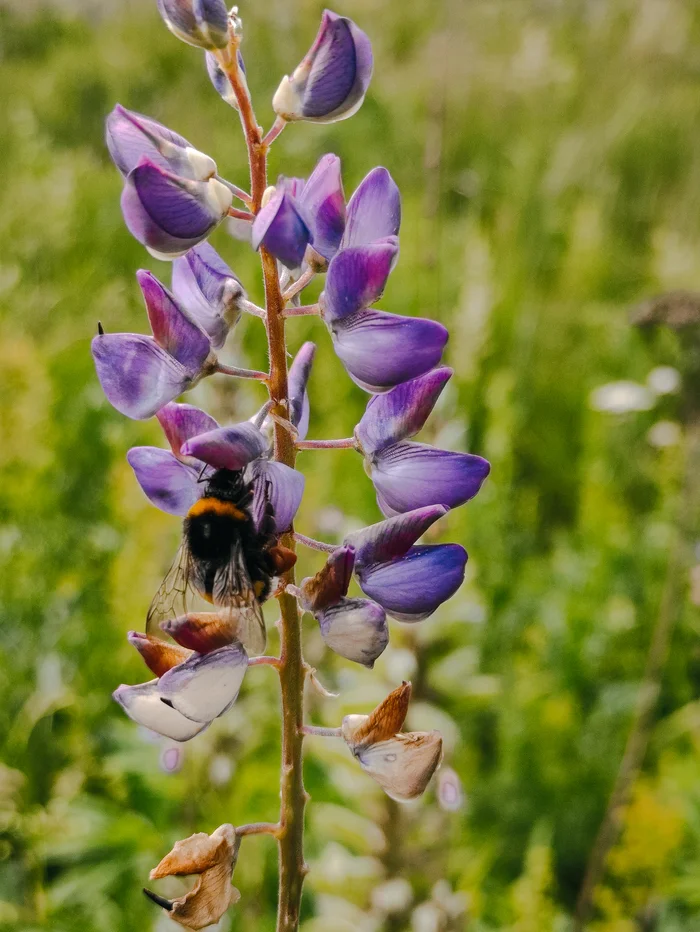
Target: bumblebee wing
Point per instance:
(234, 590)
(171, 599)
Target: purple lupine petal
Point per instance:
(290, 185)
(170, 214)
(209, 291)
(324, 201)
(381, 350)
(282, 228)
(144, 705)
(131, 136)
(401, 412)
(413, 587)
(355, 629)
(137, 376)
(298, 378)
(356, 278)
(374, 210)
(282, 486)
(227, 447)
(205, 685)
(168, 483)
(331, 582)
(180, 422)
(393, 537)
(411, 475)
(173, 328)
(331, 81)
(203, 23)
(219, 79)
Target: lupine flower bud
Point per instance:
(209, 291)
(402, 764)
(283, 228)
(131, 136)
(144, 705)
(299, 373)
(203, 23)
(356, 278)
(170, 214)
(213, 859)
(355, 629)
(374, 210)
(140, 374)
(331, 81)
(323, 200)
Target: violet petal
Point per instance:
(331, 81)
(355, 629)
(168, 483)
(374, 210)
(412, 587)
(356, 278)
(205, 685)
(137, 376)
(143, 704)
(209, 291)
(172, 327)
(131, 136)
(392, 537)
(227, 447)
(381, 350)
(170, 214)
(298, 378)
(281, 227)
(203, 23)
(401, 412)
(324, 202)
(411, 475)
(182, 422)
(282, 486)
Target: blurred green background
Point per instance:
(549, 158)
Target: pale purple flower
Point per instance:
(209, 291)
(283, 228)
(203, 23)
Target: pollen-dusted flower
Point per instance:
(283, 228)
(139, 374)
(411, 475)
(213, 859)
(131, 136)
(203, 23)
(168, 213)
(402, 764)
(209, 291)
(409, 581)
(332, 79)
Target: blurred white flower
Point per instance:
(664, 434)
(622, 397)
(428, 917)
(221, 769)
(394, 896)
(450, 794)
(401, 663)
(171, 758)
(664, 380)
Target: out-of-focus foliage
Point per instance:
(549, 158)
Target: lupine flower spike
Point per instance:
(233, 484)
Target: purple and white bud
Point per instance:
(331, 81)
(131, 137)
(355, 629)
(170, 214)
(203, 23)
(283, 228)
(209, 290)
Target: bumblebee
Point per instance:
(229, 556)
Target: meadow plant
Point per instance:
(236, 486)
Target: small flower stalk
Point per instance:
(235, 486)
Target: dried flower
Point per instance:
(213, 858)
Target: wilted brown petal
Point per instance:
(158, 655)
(383, 723)
(404, 764)
(213, 857)
(203, 631)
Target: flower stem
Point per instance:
(235, 190)
(274, 131)
(251, 308)
(321, 732)
(346, 444)
(264, 661)
(242, 373)
(292, 867)
(298, 285)
(304, 310)
(314, 544)
(259, 828)
(240, 214)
